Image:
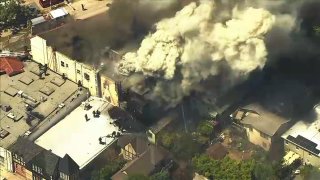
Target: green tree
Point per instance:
(185, 146)
(205, 128)
(168, 139)
(223, 169)
(162, 175)
(137, 177)
(317, 30)
(108, 170)
(12, 14)
(264, 171)
(309, 172)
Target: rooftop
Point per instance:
(43, 96)
(80, 138)
(144, 164)
(262, 119)
(83, 40)
(306, 134)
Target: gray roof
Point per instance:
(26, 149)
(144, 164)
(162, 123)
(262, 119)
(48, 161)
(68, 166)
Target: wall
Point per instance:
(109, 90)
(58, 62)
(128, 152)
(7, 160)
(255, 137)
(304, 154)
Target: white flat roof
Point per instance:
(37, 20)
(77, 137)
(310, 131)
(58, 13)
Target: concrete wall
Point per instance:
(255, 137)
(304, 154)
(58, 62)
(109, 90)
(7, 160)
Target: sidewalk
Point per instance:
(93, 7)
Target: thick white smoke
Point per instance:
(192, 46)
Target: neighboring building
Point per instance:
(79, 132)
(158, 127)
(77, 72)
(263, 128)
(35, 163)
(132, 146)
(68, 168)
(10, 66)
(81, 55)
(150, 161)
(5, 159)
(303, 139)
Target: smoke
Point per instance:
(198, 44)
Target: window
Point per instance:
(297, 147)
(78, 71)
(287, 142)
(250, 129)
(63, 176)
(62, 63)
(310, 154)
(1, 160)
(86, 76)
(67, 65)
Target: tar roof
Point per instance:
(25, 148)
(80, 138)
(46, 160)
(262, 119)
(30, 84)
(67, 165)
(83, 40)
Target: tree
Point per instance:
(12, 14)
(137, 177)
(264, 171)
(309, 172)
(205, 128)
(162, 175)
(108, 170)
(223, 169)
(167, 139)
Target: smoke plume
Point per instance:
(197, 44)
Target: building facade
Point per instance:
(263, 128)
(77, 72)
(303, 139)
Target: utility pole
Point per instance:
(184, 119)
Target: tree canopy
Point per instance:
(13, 14)
(223, 169)
(108, 170)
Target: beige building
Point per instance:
(303, 139)
(62, 64)
(263, 128)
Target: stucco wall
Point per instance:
(7, 159)
(305, 155)
(58, 62)
(255, 137)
